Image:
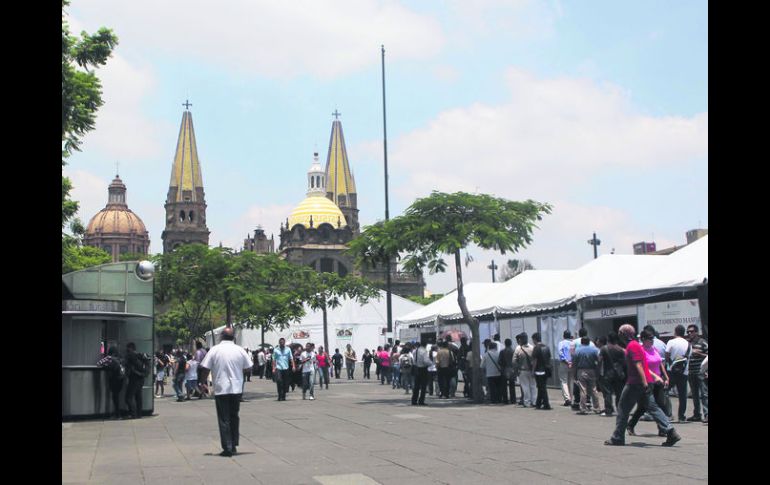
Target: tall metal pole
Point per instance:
(387, 213)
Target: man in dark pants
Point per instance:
(227, 361)
(283, 360)
(136, 376)
(698, 386)
(420, 369)
(509, 373)
(678, 350)
(337, 362)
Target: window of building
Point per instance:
(123, 249)
(327, 265)
(108, 248)
(181, 216)
(191, 215)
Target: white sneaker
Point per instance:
(312, 398)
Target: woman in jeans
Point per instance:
(395, 368)
(323, 366)
(659, 386)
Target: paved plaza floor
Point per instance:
(359, 432)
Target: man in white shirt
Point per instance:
(308, 360)
(522, 356)
(227, 362)
(678, 349)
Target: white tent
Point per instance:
(362, 326)
(616, 276)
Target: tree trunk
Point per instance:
(326, 334)
(478, 395)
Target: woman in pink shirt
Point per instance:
(658, 378)
(384, 356)
(323, 366)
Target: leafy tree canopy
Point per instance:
(444, 224)
(81, 93)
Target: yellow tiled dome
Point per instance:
(322, 209)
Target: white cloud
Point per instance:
(571, 128)
(123, 131)
(277, 39)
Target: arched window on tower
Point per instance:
(191, 215)
(181, 216)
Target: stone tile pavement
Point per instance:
(362, 433)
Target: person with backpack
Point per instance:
(406, 362)
(116, 376)
(137, 369)
(613, 372)
(523, 359)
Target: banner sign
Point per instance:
(612, 312)
(344, 334)
(300, 335)
(666, 315)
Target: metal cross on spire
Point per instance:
(187, 104)
(336, 114)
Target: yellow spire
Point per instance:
(186, 173)
(339, 179)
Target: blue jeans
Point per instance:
(631, 395)
(396, 376)
(308, 379)
(700, 394)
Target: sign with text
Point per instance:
(666, 315)
(93, 306)
(611, 312)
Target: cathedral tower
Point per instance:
(340, 184)
(185, 203)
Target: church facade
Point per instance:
(318, 230)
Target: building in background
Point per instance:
(259, 244)
(116, 229)
(186, 201)
(318, 230)
(649, 248)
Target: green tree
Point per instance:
(328, 290)
(189, 283)
(444, 224)
(75, 256)
(81, 94)
(514, 267)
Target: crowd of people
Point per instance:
(628, 371)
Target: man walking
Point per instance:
(282, 360)
(350, 361)
(420, 369)
(308, 361)
(698, 386)
(678, 352)
(586, 361)
(337, 362)
(637, 387)
(227, 362)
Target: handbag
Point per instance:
(677, 367)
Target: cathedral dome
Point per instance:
(111, 220)
(115, 228)
(321, 209)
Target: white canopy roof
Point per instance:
(446, 306)
(542, 290)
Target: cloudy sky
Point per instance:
(599, 108)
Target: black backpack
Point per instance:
(116, 369)
(142, 366)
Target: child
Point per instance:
(191, 377)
